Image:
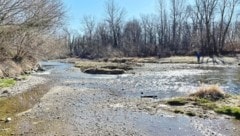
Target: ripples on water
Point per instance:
(163, 80)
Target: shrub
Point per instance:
(213, 93)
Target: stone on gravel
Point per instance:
(8, 119)
(39, 68)
(19, 78)
(5, 92)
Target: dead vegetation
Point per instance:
(212, 92)
(133, 60)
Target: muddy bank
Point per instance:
(12, 107)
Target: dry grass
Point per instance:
(133, 60)
(212, 92)
(205, 101)
(179, 59)
(193, 60)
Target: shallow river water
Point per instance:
(162, 80)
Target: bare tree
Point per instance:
(178, 17)
(22, 21)
(206, 10)
(132, 37)
(114, 18)
(162, 25)
(89, 27)
(227, 10)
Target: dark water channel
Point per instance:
(163, 80)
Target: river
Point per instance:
(85, 104)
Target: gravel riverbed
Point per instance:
(83, 104)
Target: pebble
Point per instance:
(5, 92)
(8, 119)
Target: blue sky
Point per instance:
(76, 9)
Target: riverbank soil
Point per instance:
(77, 103)
(11, 68)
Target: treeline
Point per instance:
(28, 28)
(211, 27)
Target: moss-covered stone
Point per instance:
(177, 102)
(190, 113)
(178, 111)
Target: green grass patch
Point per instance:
(8, 82)
(229, 110)
(209, 106)
(205, 104)
(177, 102)
(202, 101)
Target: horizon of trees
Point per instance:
(36, 28)
(211, 27)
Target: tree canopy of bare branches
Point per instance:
(178, 28)
(22, 22)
